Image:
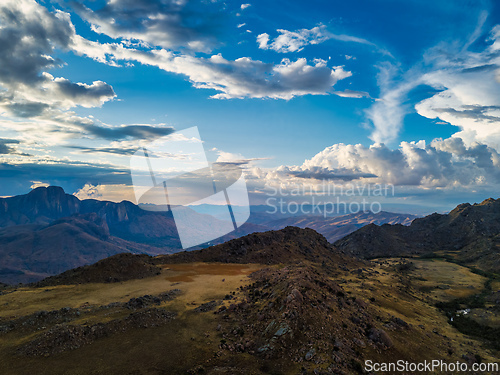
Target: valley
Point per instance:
(296, 316)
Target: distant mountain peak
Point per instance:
(489, 201)
(48, 190)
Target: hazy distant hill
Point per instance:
(469, 233)
(334, 228)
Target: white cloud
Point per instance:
(262, 40)
(293, 41)
(30, 36)
(468, 97)
(352, 94)
(241, 78)
(469, 94)
(442, 164)
(245, 6)
(36, 184)
(108, 192)
(388, 111)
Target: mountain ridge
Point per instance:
(469, 234)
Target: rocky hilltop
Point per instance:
(290, 244)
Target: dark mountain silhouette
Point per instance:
(125, 220)
(469, 233)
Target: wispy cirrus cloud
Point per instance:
(469, 91)
(467, 86)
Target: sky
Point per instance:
(405, 93)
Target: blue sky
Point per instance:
(399, 92)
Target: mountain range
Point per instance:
(47, 231)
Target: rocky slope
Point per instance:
(31, 252)
(117, 268)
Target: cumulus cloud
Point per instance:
(245, 6)
(442, 164)
(28, 37)
(240, 78)
(114, 193)
(88, 191)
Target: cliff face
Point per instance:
(40, 206)
(44, 205)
